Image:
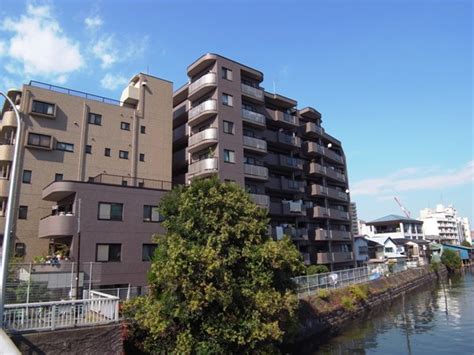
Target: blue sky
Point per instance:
(393, 79)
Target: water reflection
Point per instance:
(433, 320)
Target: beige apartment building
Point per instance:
(225, 124)
(95, 144)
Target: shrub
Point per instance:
(451, 260)
(465, 243)
(360, 292)
(347, 303)
(316, 269)
(323, 294)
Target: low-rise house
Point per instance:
(395, 227)
(361, 250)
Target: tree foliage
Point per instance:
(465, 243)
(218, 283)
(451, 260)
(316, 269)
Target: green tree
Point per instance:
(465, 243)
(451, 260)
(316, 269)
(218, 283)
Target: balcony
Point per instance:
(284, 162)
(296, 234)
(254, 144)
(6, 152)
(202, 112)
(4, 187)
(316, 169)
(9, 119)
(61, 225)
(255, 172)
(203, 168)
(332, 155)
(202, 86)
(253, 118)
(336, 235)
(335, 257)
(322, 212)
(179, 133)
(261, 200)
(283, 140)
(202, 140)
(285, 119)
(252, 92)
(284, 184)
(311, 129)
(321, 191)
(312, 148)
(288, 208)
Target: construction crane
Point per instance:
(407, 213)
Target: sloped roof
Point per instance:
(394, 218)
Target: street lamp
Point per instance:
(11, 203)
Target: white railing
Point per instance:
(254, 92)
(253, 116)
(98, 308)
(201, 166)
(209, 105)
(261, 200)
(206, 135)
(256, 170)
(208, 79)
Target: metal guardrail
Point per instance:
(98, 308)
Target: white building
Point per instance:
(466, 228)
(395, 227)
(443, 225)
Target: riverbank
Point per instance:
(326, 313)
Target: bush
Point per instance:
(451, 260)
(360, 292)
(347, 303)
(465, 243)
(323, 294)
(316, 269)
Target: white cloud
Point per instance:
(414, 179)
(93, 22)
(106, 50)
(39, 46)
(113, 81)
(3, 48)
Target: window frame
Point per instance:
(227, 100)
(125, 126)
(231, 154)
(226, 72)
(43, 104)
(148, 218)
(227, 124)
(94, 118)
(40, 137)
(24, 214)
(143, 129)
(150, 257)
(64, 147)
(97, 245)
(57, 175)
(27, 181)
(88, 149)
(110, 211)
(141, 157)
(107, 152)
(123, 154)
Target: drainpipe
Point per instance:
(10, 215)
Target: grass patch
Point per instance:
(323, 294)
(360, 292)
(347, 302)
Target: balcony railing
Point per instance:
(312, 128)
(208, 135)
(205, 80)
(255, 143)
(315, 168)
(205, 166)
(322, 212)
(209, 106)
(323, 234)
(261, 200)
(256, 171)
(318, 190)
(253, 92)
(253, 117)
(286, 118)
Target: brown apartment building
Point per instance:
(93, 165)
(225, 124)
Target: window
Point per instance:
(227, 100)
(110, 211)
(123, 154)
(151, 214)
(229, 156)
(124, 183)
(58, 177)
(26, 176)
(67, 147)
(90, 179)
(20, 250)
(125, 126)
(142, 129)
(39, 140)
(88, 149)
(226, 73)
(142, 157)
(23, 212)
(389, 250)
(148, 250)
(107, 152)
(94, 118)
(43, 107)
(228, 127)
(108, 252)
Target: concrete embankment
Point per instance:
(327, 312)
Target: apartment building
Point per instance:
(442, 224)
(354, 218)
(226, 124)
(395, 227)
(111, 155)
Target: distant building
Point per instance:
(466, 229)
(354, 219)
(361, 251)
(395, 226)
(443, 225)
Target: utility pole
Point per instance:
(11, 203)
(78, 246)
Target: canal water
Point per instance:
(437, 319)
